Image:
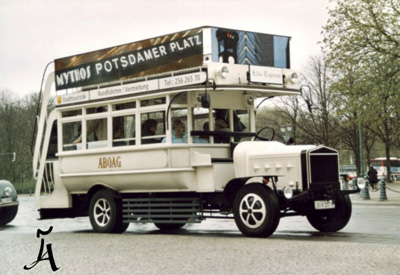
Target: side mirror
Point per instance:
(205, 100)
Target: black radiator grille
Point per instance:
(324, 168)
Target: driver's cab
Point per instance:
(219, 127)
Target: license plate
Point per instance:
(6, 200)
(328, 204)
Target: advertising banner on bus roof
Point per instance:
(177, 51)
(153, 56)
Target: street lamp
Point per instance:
(286, 132)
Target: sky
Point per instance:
(35, 32)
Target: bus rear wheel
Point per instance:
(105, 213)
(256, 210)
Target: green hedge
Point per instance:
(27, 187)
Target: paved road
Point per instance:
(370, 244)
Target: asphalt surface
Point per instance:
(369, 244)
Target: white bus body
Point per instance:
(380, 165)
(93, 155)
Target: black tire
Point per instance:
(256, 210)
(105, 213)
(169, 226)
(7, 214)
(334, 219)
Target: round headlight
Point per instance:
(361, 183)
(294, 78)
(7, 191)
(224, 71)
(288, 192)
(250, 100)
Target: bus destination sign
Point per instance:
(133, 88)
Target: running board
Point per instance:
(162, 210)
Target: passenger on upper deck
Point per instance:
(149, 128)
(178, 132)
(118, 134)
(78, 138)
(97, 128)
(221, 126)
(203, 139)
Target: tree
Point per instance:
(17, 118)
(8, 111)
(361, 29)
(364, 35)
(313, 115)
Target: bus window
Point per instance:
(124, 106)
(241, 123)
(153, 128)
(72, 135)
(52, 151)
(179, 126)
(124, 130)
(71, 113)
(200, 122)
(221, 124)
(96, 133)
(153, 101)
(95, 110)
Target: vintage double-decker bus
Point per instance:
(163, 131)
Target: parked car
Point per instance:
(349, 171)
(8, 202)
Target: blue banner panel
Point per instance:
(250, 48)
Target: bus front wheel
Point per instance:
(105, 213)
(332, 220)
(256, 210)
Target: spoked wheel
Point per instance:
(334, 219)
(256, 210)
(169, 226)
(105, 213)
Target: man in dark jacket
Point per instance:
(373, 176)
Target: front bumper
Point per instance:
(303, 202)
(9, 204)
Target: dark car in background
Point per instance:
(8, 202)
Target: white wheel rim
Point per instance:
(252, 211)
(102, 212)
